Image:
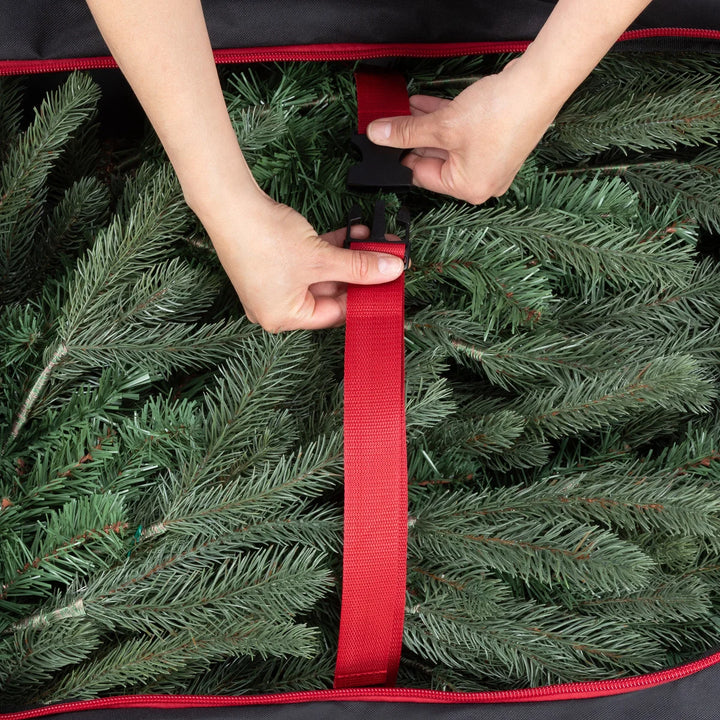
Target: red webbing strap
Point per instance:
(380, 94)
(375, 541)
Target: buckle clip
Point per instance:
(379, 168)
(377, 230)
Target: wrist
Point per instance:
(214, 193)
(234, 215)
(575, 37)
(543, 91)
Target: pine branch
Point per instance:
(11, 111)
(591, 196)
(532, 361)
(476, 439)
(504, 290)
(290, 125)
(665, 102)
(164, 433)
(82, 209)
(131, 664)
(21, 335)
(37, 389)
(240, 675)
(668, 601)
(621, 496)
(600, 253)
(428, 397)
(520, 640)
(25, 171)
(125, 250)
(696, 454)
(270, 499)
(662, 310)
(76, 428)
(519, 361)
(113, 283)
(450, 528)
(172, 346)
(84, 535)
(210, 585)
(245, 412)
(693, 183)
(671, 383)
(30, 657)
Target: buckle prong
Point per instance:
(379, 226)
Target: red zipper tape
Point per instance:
(343, 51)
(568, 691)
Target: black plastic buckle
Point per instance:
(377, 230)
(379, 168)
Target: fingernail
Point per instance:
(390, 266)
(379, 131)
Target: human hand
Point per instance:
(286, 275)
(473, 146)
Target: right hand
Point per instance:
(473, 146)
(286, 275)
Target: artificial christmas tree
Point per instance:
(170, 473)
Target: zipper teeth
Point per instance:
(289, 53)
(549, 692)
(370, 52)
(700, 33)
(359, 51)
(22, 67)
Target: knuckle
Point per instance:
(477, 193)
(477, 197)
(503, 188)
(446, 132)
(270, 324)
(319, 255)
(361, 265)
(404, 134)
(481, 190)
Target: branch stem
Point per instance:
(37, 388)
(620, 168)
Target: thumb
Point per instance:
(405, 131)
(362, 267)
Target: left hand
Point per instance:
(473, 146)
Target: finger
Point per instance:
(340, 299)
(328, 287)
(341, 302)
(406, 131)
(427, 172)
(321, 312)
(337, 237)
(361, 267)
(429, 152)
(423, 104)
